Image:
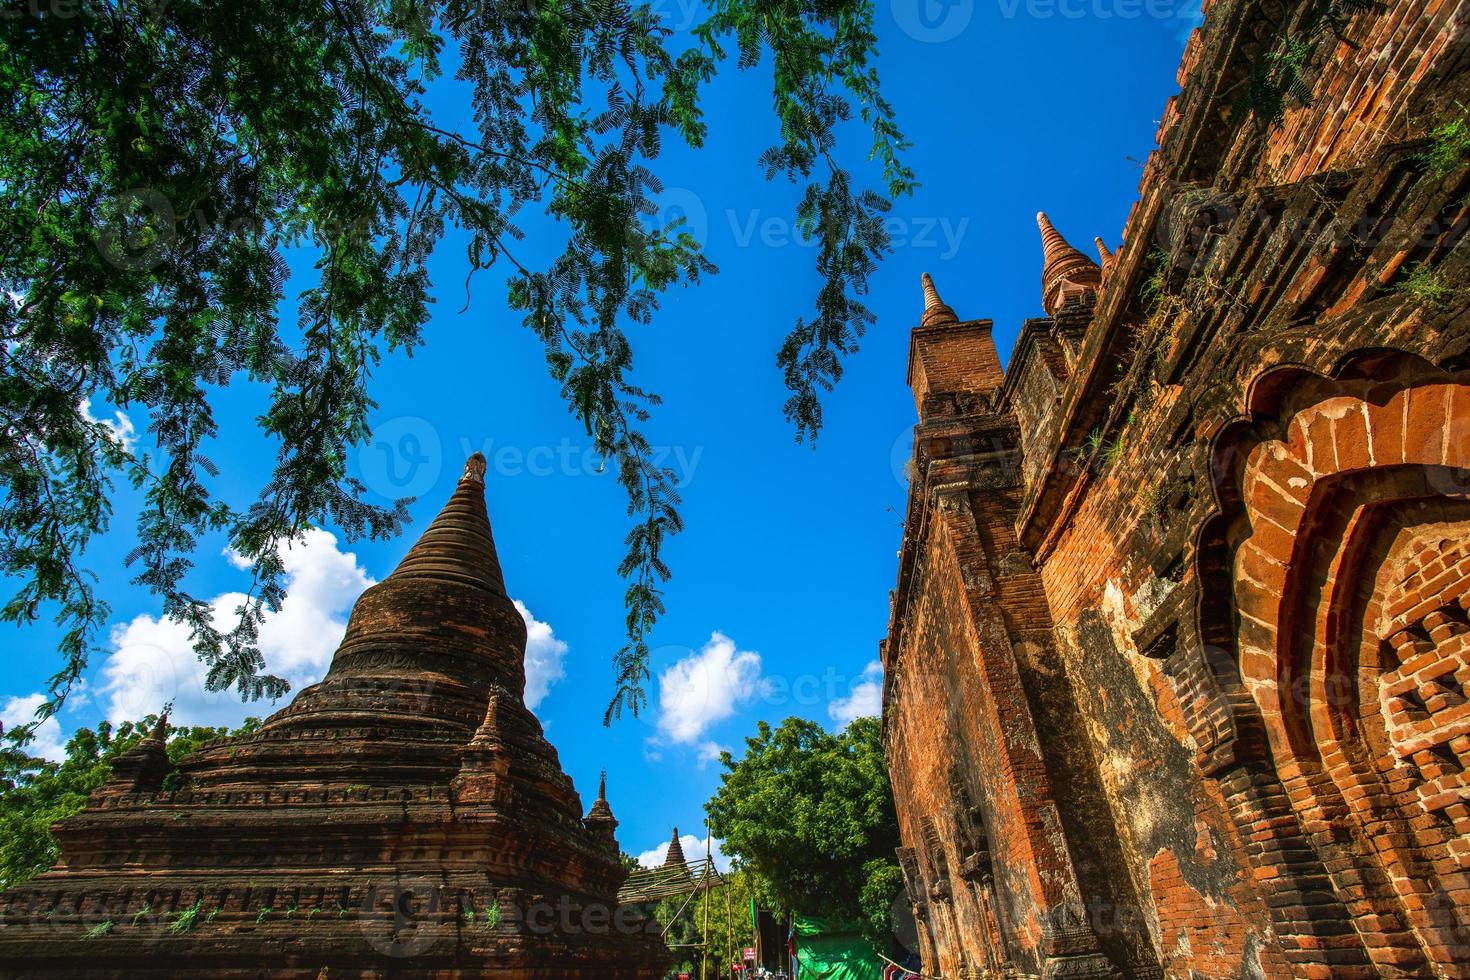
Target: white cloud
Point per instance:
(865, 700)
(47, 741)
(153, 661)
(693, 851)
(544, 653)
(705, 688)
(121, 426)
(710, 752)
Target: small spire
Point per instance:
(1102, 250)
(600, 808)
(492, 728)
(144, 767)
(160, 727)
(1065, 272)
(1053, 245)
(936, 311)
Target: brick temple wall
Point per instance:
(1177, 667)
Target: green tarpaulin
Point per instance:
(833, 951)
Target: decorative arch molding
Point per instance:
(1331, 641)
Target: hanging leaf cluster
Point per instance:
(158, 161)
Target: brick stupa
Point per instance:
(405, 817)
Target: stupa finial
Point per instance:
(1065, 272)
(474, 469)
(936, 311)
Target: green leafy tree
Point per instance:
(811, 813)
(35, 793)
(160, 159)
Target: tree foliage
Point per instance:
(35, 793)
(811, 813)
(160, 160)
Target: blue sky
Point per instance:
(781, 580)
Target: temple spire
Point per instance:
(675, 856)
(600, 820)
(936, 311)
(492, 728)
(1065, 272)
(144, 767)
(457, 544)
(434, 654)
(601, 812)
(1102, 250)
(160, 727)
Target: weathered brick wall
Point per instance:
(1211, 527)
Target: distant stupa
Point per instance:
(674, 857)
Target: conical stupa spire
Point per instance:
(442, 591)
(675, 856)
(457, 544)
(427, 653)
(1102, 250)
(936, 311)
(1065, 271)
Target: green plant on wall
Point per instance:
(36, 793)
(1427, 285)
(1280, 75)
(184, 921)
(1449, 143)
